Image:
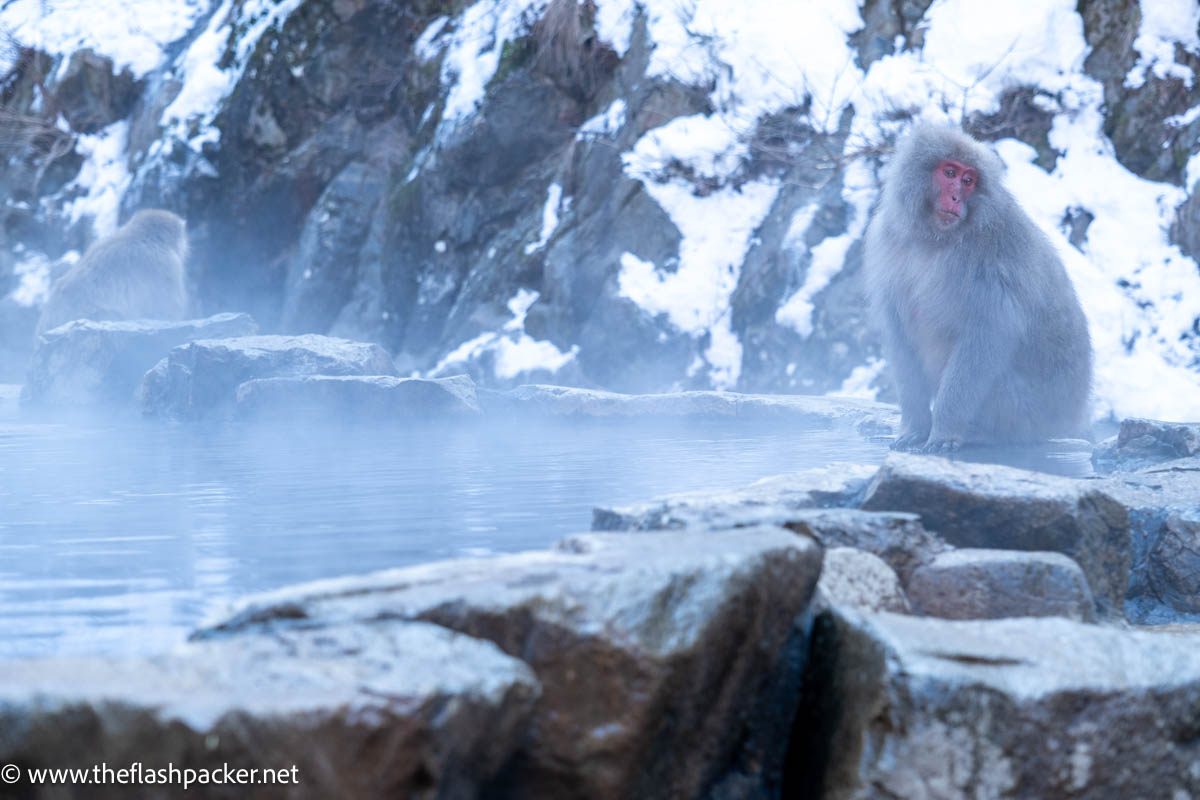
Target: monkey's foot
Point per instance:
(941, 447)
(910, 441)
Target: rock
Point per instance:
(917, 707)
(563, 401)
(91, 94)
(771, 499)
(358, 398)
(1142, 443)
(200, 379)
(988, 506)
(861, 580)
(993, 584)
(392, 709)
(1163, 504)
(668, 663)
(85, 363)
(899, 539)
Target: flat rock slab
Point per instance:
(917, 707)
(373, 398)
(993, 584)
(995, 507)
(866, 416)
(85, 364)
(669, 664)
(395, 709)
(1142, 443)
(770, 500)
(200, 379)
(1164, 516)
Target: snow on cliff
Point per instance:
(1139, 292)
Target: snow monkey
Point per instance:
(982, 330)
(135, 273)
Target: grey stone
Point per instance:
(1142, 443)
(992, 584)
(995, 507)
(84, 364)
(358, 398)
(917, 707)
(861, 580)
(200, 379)
(772, 499)
(897, 538)
(667, 662)
(1163, 503)
(399, 709)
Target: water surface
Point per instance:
(119, 537)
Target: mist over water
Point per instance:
(119, 537)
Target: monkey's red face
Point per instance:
(954, 181)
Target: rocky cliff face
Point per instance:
(603, 193)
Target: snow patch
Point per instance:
(1165, 23)
(554, 200)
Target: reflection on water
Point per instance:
(120, 537)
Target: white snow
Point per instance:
(554, 200)
(1165, 22)
(606, 123)
(104, 177)
(130, 32)
(515, 351)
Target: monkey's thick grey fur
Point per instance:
(135, 273)
(981, 327)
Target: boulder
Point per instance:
(917, 707)
(771, 499)
(85, 364)
(859, 579)
(898, 539)
(1163, 504)
(992, 584)
(1142, 443)
(200, 379)
(372, 398)
(669, 664)
(995, 507)
(392, 709)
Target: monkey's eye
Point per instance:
(967, 179)
(949, 172)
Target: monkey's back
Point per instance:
(123, 276)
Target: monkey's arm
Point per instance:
(912, 385)
(983, 353)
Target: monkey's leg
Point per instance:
(981, 356)
(912, 385)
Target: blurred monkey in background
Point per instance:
(982, 330)
(135, 273)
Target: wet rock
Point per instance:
(995, 507)
(1144, 443)
(200, 379)
(917, 707)
(393, 709)
(86, 363)
(563, 401)
(92, 95)
(993, 584)
(668, 663)
(358, 398)
(771, 499)
(899, 539)
(1163, 504)
(860, 580)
